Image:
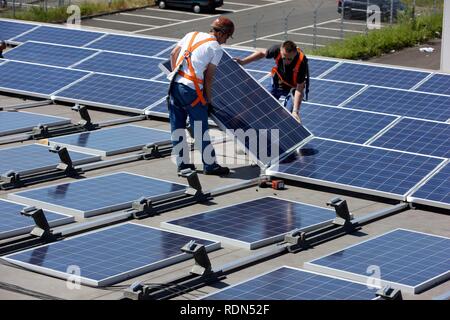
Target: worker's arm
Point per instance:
(253, 57)
(298, 97)
(208, 81)
(173, 56)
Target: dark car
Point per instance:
(358, 9)
(196, 5)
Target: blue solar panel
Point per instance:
(358, 168)
(260, 65)
(55, 35)
(319, 66)
(12, 223)
(406, 259)
(135, 45)
(330, 92)
(375, 75)
(48, 54)
(438, 83)
(424, 137)
(35, 157)
(10, 29)
(35, 80)
(16, 122)
(257, 74)
(110, 255)
(239, 225)
(97, 195)
(240, 103)
(122, 64)
(160, 110)
(436, 191)
(115, 92)
(287, 283)
(343, 124)
(113, 140)
(403, 103)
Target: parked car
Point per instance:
(196, 5)
(358, 9)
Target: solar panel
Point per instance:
(258, 75)
(357, 168)
(319, 66)
(408, 260)
(238, 224)
(286, 283)
(403, 103)
(98, 195)
(159, 110)
(57, 35)
(17, 122)
(10, 29)
(241, 103)
(419, 136)
(48, 54)
(330, 92)
(13, 224)
(35, 157)
(436, 191)
(35, 80)
(114, 140)
(108, 256)
(122, 64)
(343, 124)
(376, 75)
(260, 65)
(438, 83)
(135, 45)
(114, 92)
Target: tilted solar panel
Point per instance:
(17, 122)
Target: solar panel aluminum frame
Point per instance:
(62, 121)
(103, 153)
(238, 243)
(87, 214)
(66, 219)
(432, 203)
(288, 267)
(93, 158)
(364, 279)
(116, 278)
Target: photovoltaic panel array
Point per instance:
(319, 66)
(135, 45)
(436, 191)
(408, 260)
(58, 35)
(286, 283)
(330, 92)
(241, 103)
(113, 92)
(10, 29)
(112, 141)
(343, 124)
(238, 224)
(359, 168)
(35, 157)
(35, 80)
(419, 136)
(110, 255)
(403, 103)
(260, 65)
(98, 195)
(375, 75)
(438, 83)
(48, 54)
(13, 224)
(122, 64)
(17, 122)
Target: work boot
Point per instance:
(184, 166)
(217, 171)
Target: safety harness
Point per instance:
(191, 75)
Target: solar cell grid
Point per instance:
(10, 29)
(330, 92)
(438, 83)
(16, 122)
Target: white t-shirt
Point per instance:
(209, 52)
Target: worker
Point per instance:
(194, 60)
(290, 75)
(2, 47)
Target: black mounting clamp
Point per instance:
(86, 121)
(343, 215)
(40, 131)
(202, 265)
(9, 180)
(42, 228)
(389, 293)
(66, 164)
(296, 240)
(142, 208)
(151, 151)
(195, 187)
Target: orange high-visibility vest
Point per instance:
(296, 69)
(192, 76)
